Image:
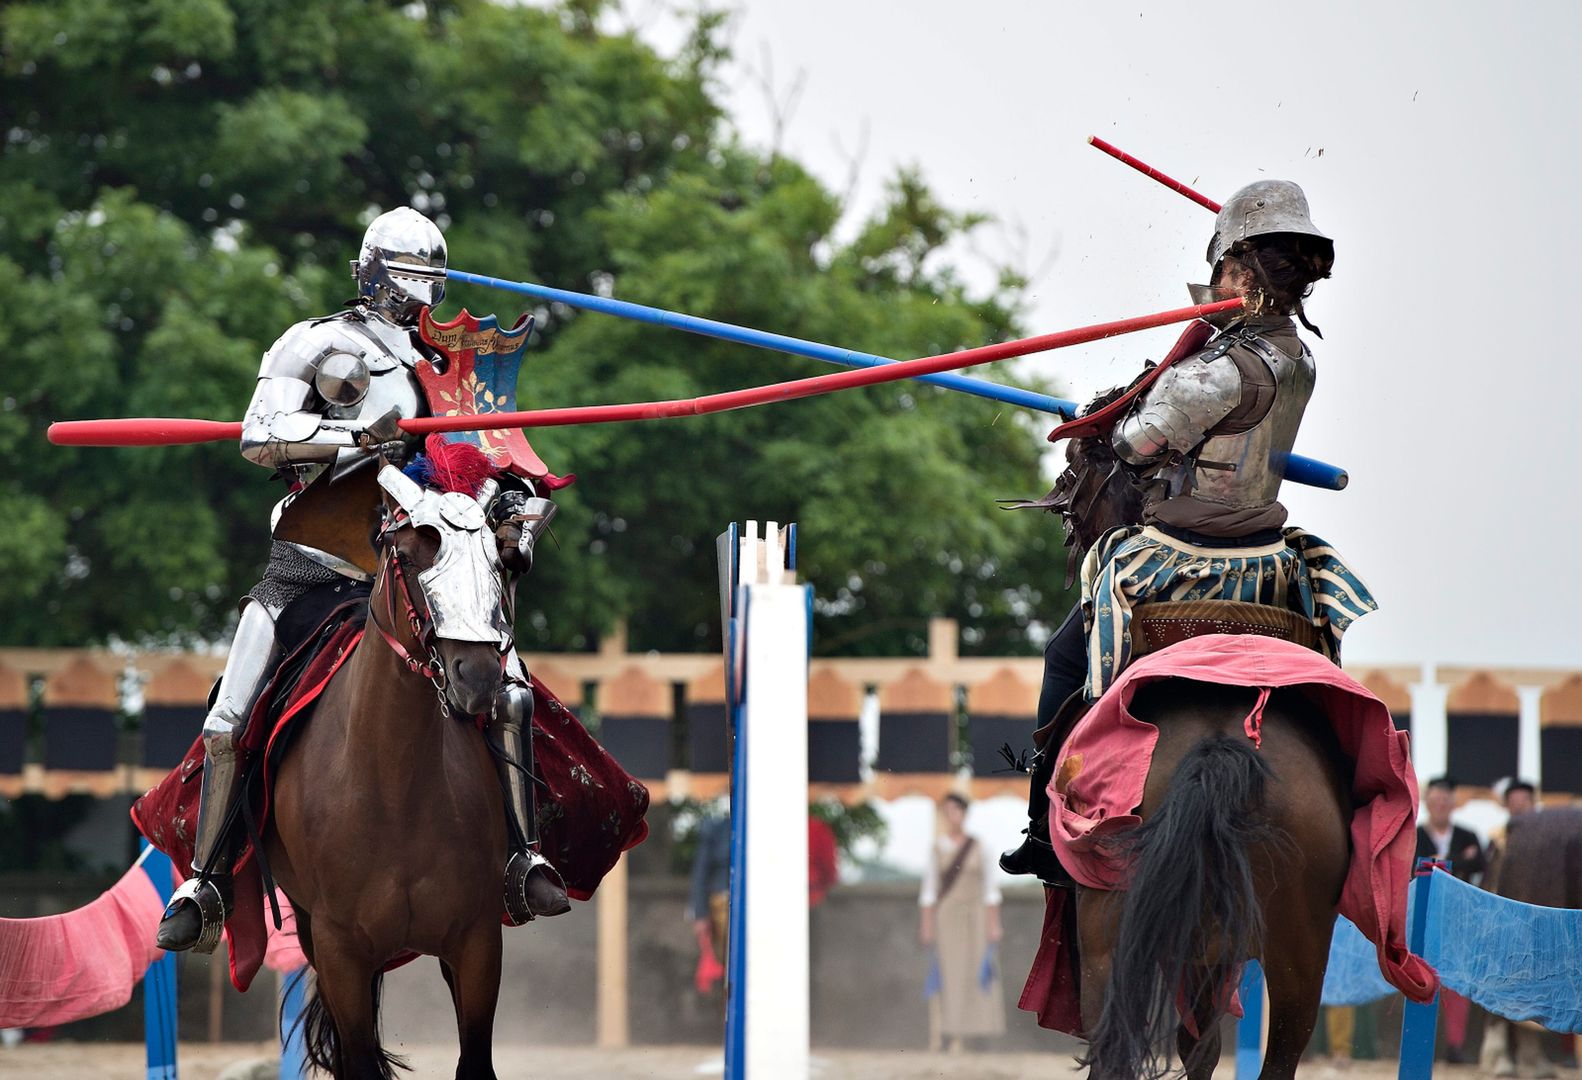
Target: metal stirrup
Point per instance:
(206, 897)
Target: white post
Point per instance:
(771, 612)
(1529, 748)
(1430, 726)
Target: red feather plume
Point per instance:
(456, 466)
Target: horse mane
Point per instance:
(451, 466)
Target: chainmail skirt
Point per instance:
(288, 575)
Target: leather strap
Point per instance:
(392, 568)
(953, 871)
(1191, 342)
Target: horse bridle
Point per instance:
(420, 623)
(419, 620)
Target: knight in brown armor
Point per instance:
(1204, 447)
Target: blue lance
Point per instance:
(1298, 469)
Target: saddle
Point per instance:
(591, 811)
(1163, 623)
(1158, 625)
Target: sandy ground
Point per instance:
(104, 1061)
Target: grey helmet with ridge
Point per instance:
(401, 267)
(1260, 209)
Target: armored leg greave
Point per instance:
(533, 887)
(247, 670)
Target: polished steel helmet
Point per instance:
(1261, 208)
(401, 268)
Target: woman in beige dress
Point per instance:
(960, 904)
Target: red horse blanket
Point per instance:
(1102, 769)
(596, 810)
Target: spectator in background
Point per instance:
(960, 923)
(1518, 797)
(709, 903)
(823, 860)
(1439, 838)
(1521, 797)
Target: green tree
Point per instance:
(179, 182)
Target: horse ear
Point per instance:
(400, 487)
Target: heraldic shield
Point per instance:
(481, 378)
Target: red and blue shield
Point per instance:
(480, 378)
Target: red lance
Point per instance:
(1192, 339)
(165, 432)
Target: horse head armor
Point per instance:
(464, 588)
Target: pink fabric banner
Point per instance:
(283, 954)
(80, 963)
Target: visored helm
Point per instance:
(401, 268)
(1261, 208)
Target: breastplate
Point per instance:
(390, 358)
(1244, 469)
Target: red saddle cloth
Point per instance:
(596, 809)
(1102, 768)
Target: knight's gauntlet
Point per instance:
(518, 520)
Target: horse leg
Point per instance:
(450, 982)
(345, 985)
(475, 987)
(1098, 921)
(1299, 952)
(455, 1001)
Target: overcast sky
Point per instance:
(1438, 144)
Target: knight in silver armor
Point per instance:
(330, 392)
(1214, 431)
(1208, 440)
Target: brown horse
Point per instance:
(388, 832)
(1241, 854)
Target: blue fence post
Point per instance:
(1249, 1031)
(159, 982)
(734, 621)
(293, 1039)
(1419, 1022)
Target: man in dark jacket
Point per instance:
(1440, 838)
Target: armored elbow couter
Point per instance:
(1179, 409)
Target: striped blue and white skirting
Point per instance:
(1133, 565)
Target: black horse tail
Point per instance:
(1191, 908)
(321, 1043)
